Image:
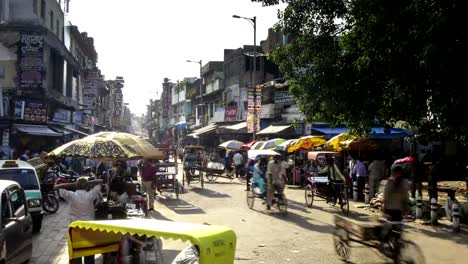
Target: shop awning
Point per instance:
(274, 129)
(37, 130)
(237, 126)
(328, 132)
(76, 131)
(203, 130)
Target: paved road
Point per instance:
(303, 236)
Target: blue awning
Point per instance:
(376, 132)
(379, 133)
(328, 132)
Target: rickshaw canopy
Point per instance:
(307, 142)
(217, 244)
(312, 155)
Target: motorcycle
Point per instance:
(50, 201)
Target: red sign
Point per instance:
(230, 113)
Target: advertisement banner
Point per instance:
(254, 100)
(30, 63)
(90, 86)
(283, 98)
(250, 123)
(62, 116)
(31, 111)
(230, 113)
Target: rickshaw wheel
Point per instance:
(211, 177)
(250, 198)
(340, 241)
(309, 195)
(176, 188)
(344, 203)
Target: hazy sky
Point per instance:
(147, 40)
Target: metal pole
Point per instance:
(253, 78)
(201, 93)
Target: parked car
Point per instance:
(25, 174)
(16, 224)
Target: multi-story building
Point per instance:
(39, 74)
(213, 88)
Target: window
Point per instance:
(43, 9)
(6, 210)
(25, 178)
(17, 201)
(35, 6)
(51, 14)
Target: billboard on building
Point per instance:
(30, 63)
(31, 111)
(230, 113)
(283, 98)
(90, 88)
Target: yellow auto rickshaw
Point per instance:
(215, 244)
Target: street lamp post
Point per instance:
(253, 21)
(201, 85)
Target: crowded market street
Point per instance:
(304, 235)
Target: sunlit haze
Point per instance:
(146, 40)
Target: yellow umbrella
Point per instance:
(307, 142)
(108, 146)
(358, 144)
(333, 144)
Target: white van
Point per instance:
(25, 174)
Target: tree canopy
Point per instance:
(359, 62)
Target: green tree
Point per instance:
(360, 62)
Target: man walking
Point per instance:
(148, 174)
(82, 207)
(361, 174)
(239, 163)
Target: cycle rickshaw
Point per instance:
(194, 164)
(318, 185)
(255, 193)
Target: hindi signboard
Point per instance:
(283, 98)
(230, 113)
(90, 88)
(254, 100)
(251, 118)
(30, 61)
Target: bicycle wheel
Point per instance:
(344, 202)
(211, 177)
(309, 195)
(50, 203)
(341, 243)
(251, 198)
(410, 253)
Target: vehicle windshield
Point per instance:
(24, 177)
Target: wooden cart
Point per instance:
(166, 178)
(381, 235)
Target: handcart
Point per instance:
(319, 186)
(194, 164)
(213, 170)
(381, 235)
(166, 178)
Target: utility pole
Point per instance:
(253, 21)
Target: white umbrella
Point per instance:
(253, 154)
(232, 144)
